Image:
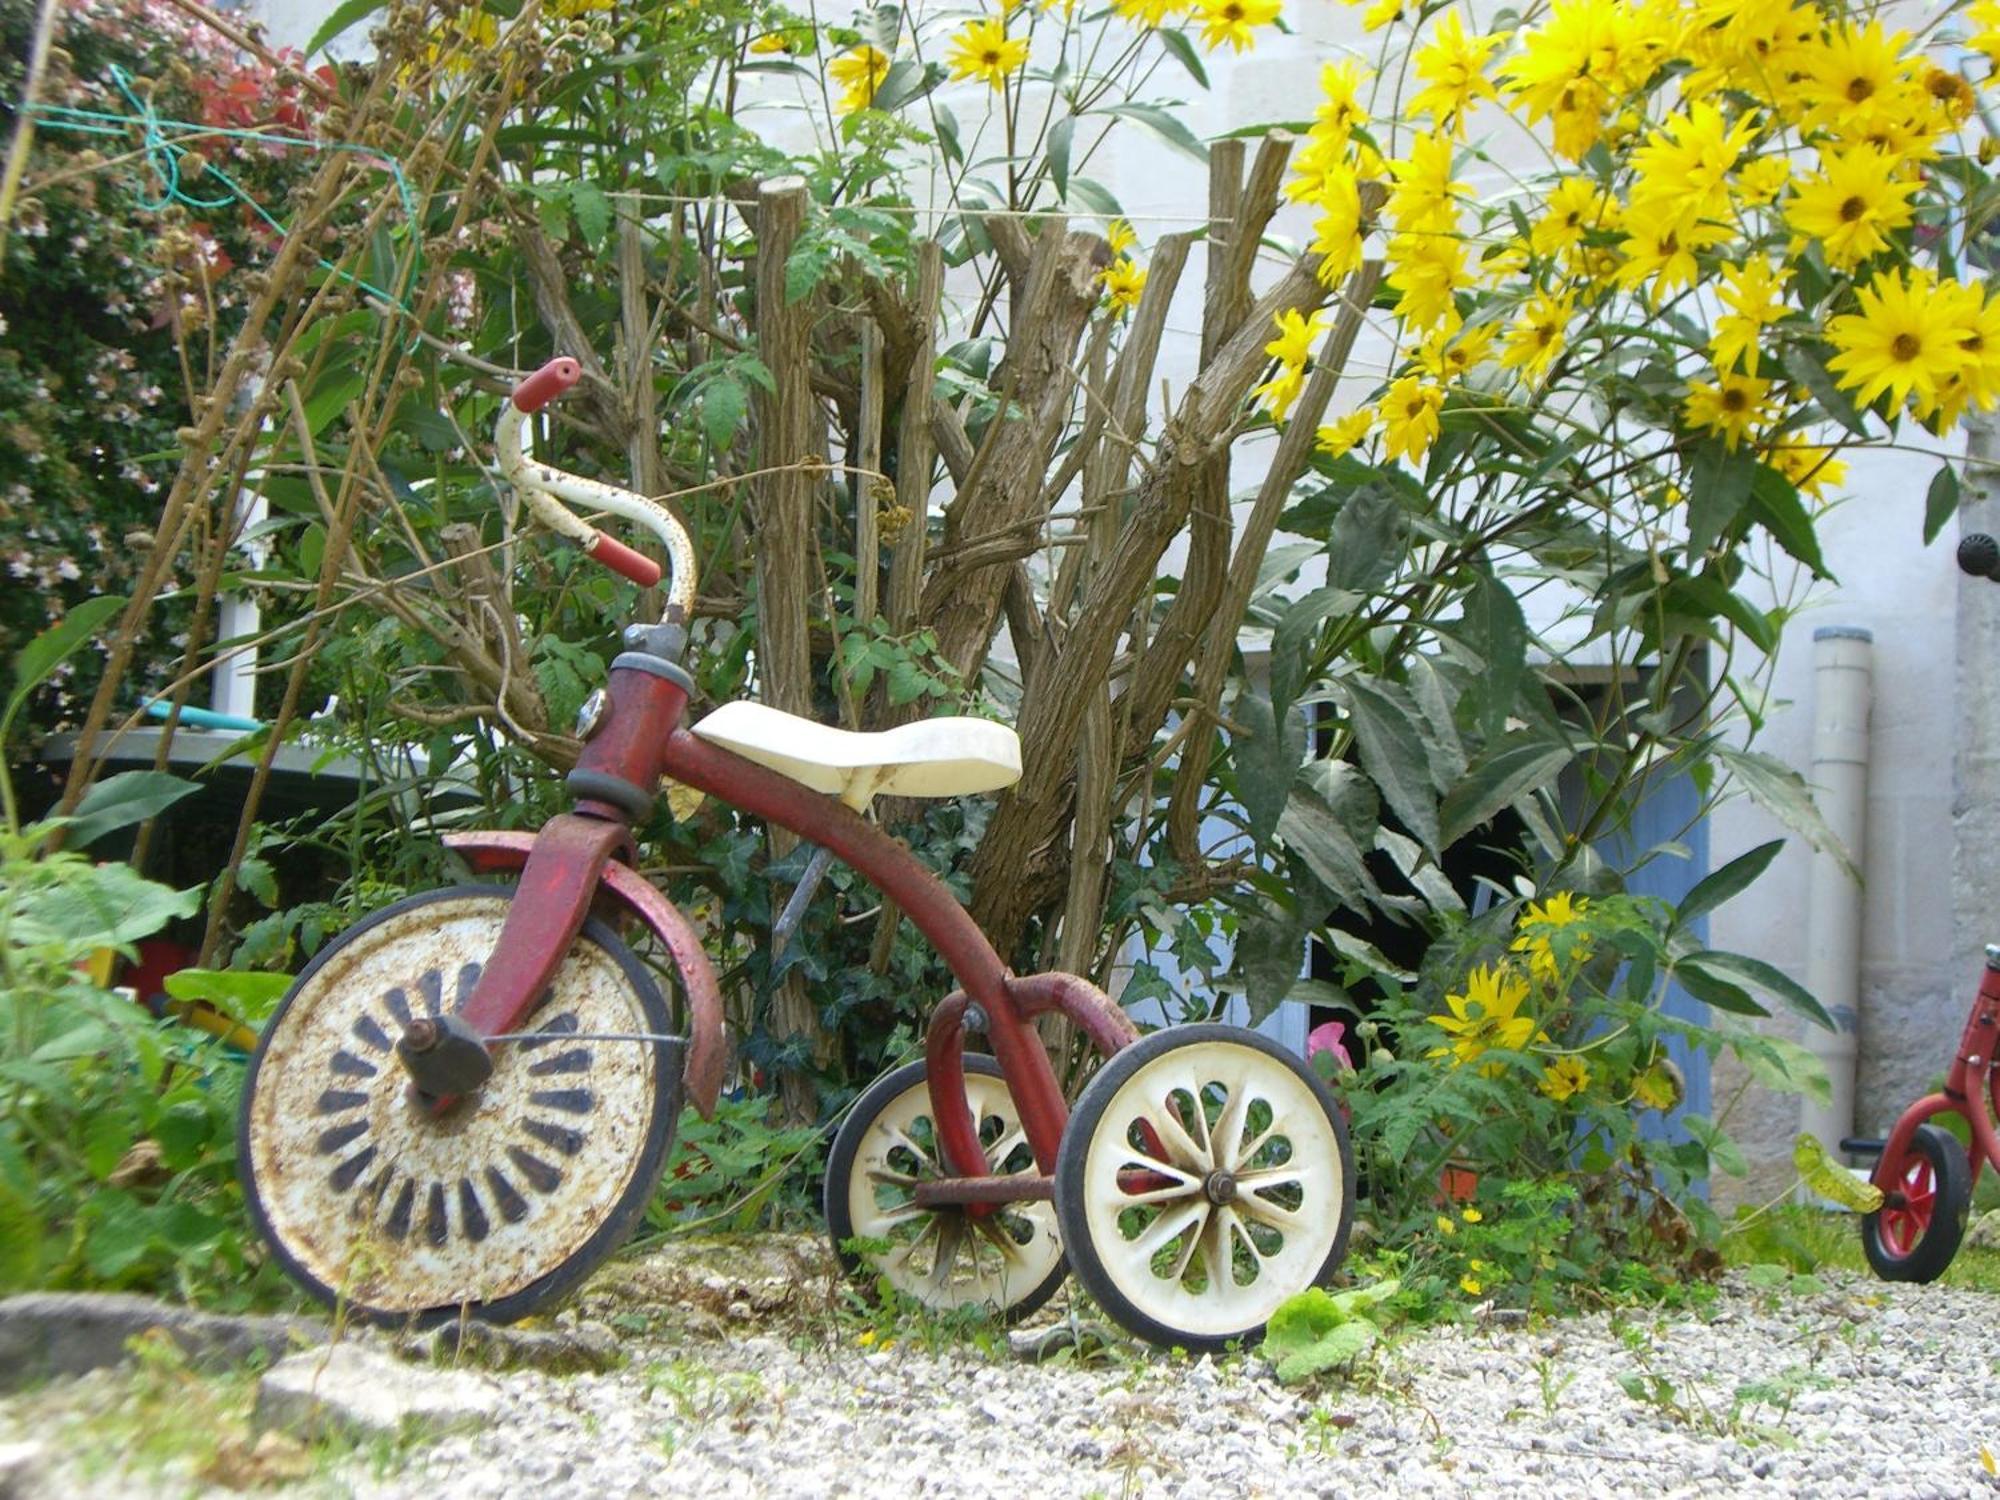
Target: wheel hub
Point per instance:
(1220, 1187)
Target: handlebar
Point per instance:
(543, 486)
(1979, 555)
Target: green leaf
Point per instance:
(1270, 952)
(343, 18)
(1776, 506)
(1366, 541)
(723, 402)
(1805, 366)
(1941, 503)
(1733, 878)
(905, 81)
(1782, 792)
(1177, 42)
(122, 800)
(1494, 626)
(105, 906)
(1830, 1179)
(1711, 988)
(1165, 124)
(1094, 197)
(1719, 484)
(1061, 134)
(1267, 757)
(182, 1130)
(1393, 754)
(1499, 776)
(249, 997)
(1314, 1331)
(107, 1136)
(1743, 970)
(47, 651)
(1721, 1149)
(1780, 1064)
(20, 1239)
(1293, 653)
(592, 210)
(1329, 822)
(120, 1235)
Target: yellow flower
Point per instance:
(1575, 205)
(1445, 1226)
(1538, 336)
(1564, 1078)
(1296, 336)
(1448, 357)
(1410, 418)
(1856, 81)
(1339, 436)
(1338, 231)
(1470, 1286)
(1659, 1087)
(1660, 245)
(1149, 15)
(1986, 17)
(982, 49)
(1761, 180)
(1472, 1215)
(1340, 108)
(1485, 1016)
(1426, 271)
(1903, 340)
(1731, 407)
(1852, 205)
(1453, 67)
(859, 71)
(1120, 236)
(1755, 294)
(1233, 21)
(1123, 280)
(1425, 197)
(1809, 467)
(1279, 392)
(1383, 13)
(790, 40)
(1551, 915)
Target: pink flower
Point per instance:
(1327, 1038)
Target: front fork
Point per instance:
(1971, 1089)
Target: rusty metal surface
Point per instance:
(404, 1212)
(706, 1053)
(944, 1070)
(1095, 1013)
(961, 1190)
(553, 897)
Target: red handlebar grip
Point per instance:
(620, 558)
(547, 383)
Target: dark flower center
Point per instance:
(1907, 346)
(1852, 209)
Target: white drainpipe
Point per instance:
(1842, 665)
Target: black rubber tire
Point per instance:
(612, 1231)
(1938, 1242)
(1087, 1118)
(847, 1146)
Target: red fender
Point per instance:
(492, 851)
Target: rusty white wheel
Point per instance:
(1204, 1177)
(1009, 1262)
(508, 1201)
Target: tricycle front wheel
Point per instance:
(1009, 1261)
(506, 1202)
(1915, 1235)
(1204, 1177)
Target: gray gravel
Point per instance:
(1854, 1389)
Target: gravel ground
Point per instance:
(752, 1388)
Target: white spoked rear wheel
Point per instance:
(1009, 1261)
(1204, 1177)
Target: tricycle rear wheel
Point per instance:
(1915, 1240)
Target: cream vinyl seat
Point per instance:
(930, 758)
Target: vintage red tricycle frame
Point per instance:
(579, 860)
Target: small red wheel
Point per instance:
(1915, 1233)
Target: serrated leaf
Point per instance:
(1165, 124)
(1270, 952)
(1366, 540)
(1494, 626)
(592, 210)
(1498, 777)
(1719, 485)
(1060, 136)
(122, 800)
(1940, 502)
(105, 906)
(249, 997)
(1775, 505)
(1267, 756)
(1782, 792)
(1830, 1179)
(1732, 879)
(723, 402)
(1329, 822)
(1393, 754)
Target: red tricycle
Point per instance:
(464, 1102)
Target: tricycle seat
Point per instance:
(948, 757)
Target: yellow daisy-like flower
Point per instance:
(1471, 1285)
(1296, 337)
(1983, 21)
(1904, 340)
(1120, 236)
(1426, 271)
(1233, 21)
(1340, 108)
(1575, 206)
(1123, 281)
(1486, 1016)
(1761, 180)
(1149, 15)
(1446, 1226)
(982, 49)
(1383, 13)
(1410, 418)
(1754, 292)
(1337, 437)
(1564, 1078)
(1448, 357)
(1857, 80)
(1732, 407)
(1533, 934)
(1338, 231)
(1471, 1215)
(859, 72)
(1811, 468)
(1538, 335)
(1453, 67)
(1852, 205)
